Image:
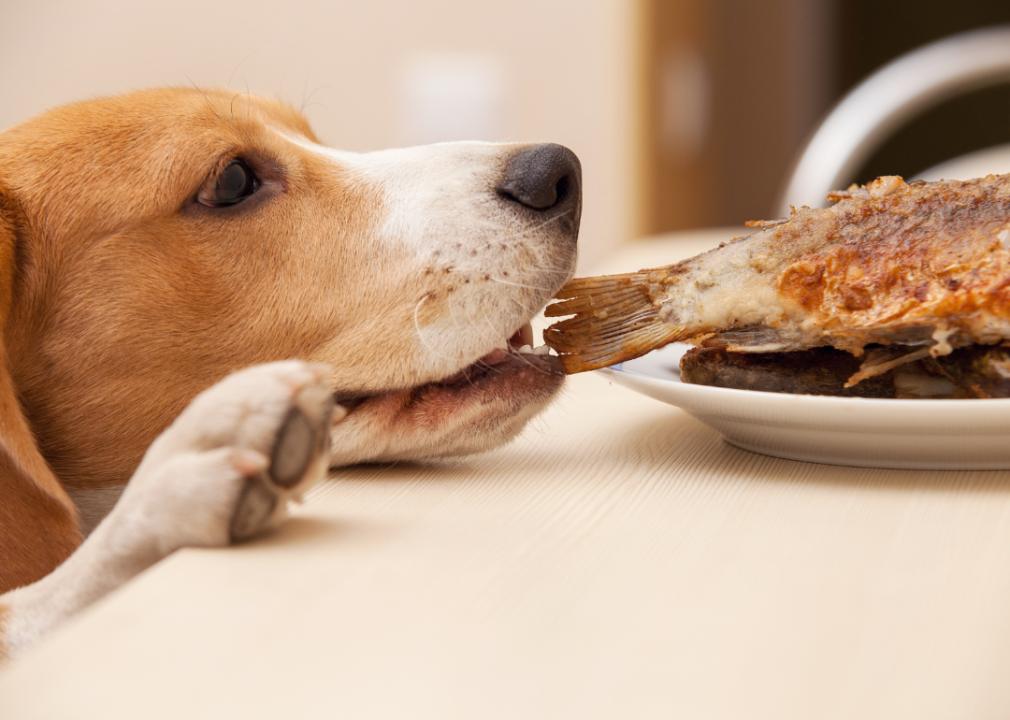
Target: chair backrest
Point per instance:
(879, 105)
(977, 164)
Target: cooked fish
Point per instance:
(923, 267)
(818, 371)
(976, 371)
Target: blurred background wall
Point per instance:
(685, 113)
(734, 88)
(370, 74)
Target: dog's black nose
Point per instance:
(544, 177)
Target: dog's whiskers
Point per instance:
(238, 66)
(487, 320)
(525, 231)
(515, 284)
(307, 101)
(427, 346)
(420, 333)
(452, 314)
(200, 90)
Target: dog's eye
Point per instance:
(235, 183)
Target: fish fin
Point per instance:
(615, 319)
(880, 360)
(759, 339)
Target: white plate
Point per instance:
(923, 434)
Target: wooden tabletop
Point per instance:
(619, 560)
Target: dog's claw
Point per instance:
(293, 451)
(298, 451)
(303, 436)
(254, 507)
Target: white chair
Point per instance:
(879, 105)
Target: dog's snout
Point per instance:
(543, 177)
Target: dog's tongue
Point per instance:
(522, 336)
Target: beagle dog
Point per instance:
(153, 245)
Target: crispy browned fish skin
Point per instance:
(925, 264)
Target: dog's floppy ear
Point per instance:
(38, 521)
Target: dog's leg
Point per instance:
(222, 472)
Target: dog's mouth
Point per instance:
(517, 354)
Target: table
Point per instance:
(618, 560)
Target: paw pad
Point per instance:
(302, 438)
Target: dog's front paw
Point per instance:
(227, 466)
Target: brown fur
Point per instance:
(38, 522)
(84, 264)
(121, 298)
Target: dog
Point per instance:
(204, 309)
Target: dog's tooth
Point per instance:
(542, 350)
(526, 350)
(527, 334)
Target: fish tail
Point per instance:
(614, 319)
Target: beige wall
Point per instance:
(369, 72)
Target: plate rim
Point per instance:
(987, 416)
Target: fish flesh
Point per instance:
(892, 273)
(975, 371)
(818, 371)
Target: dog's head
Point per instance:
(167, 238)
